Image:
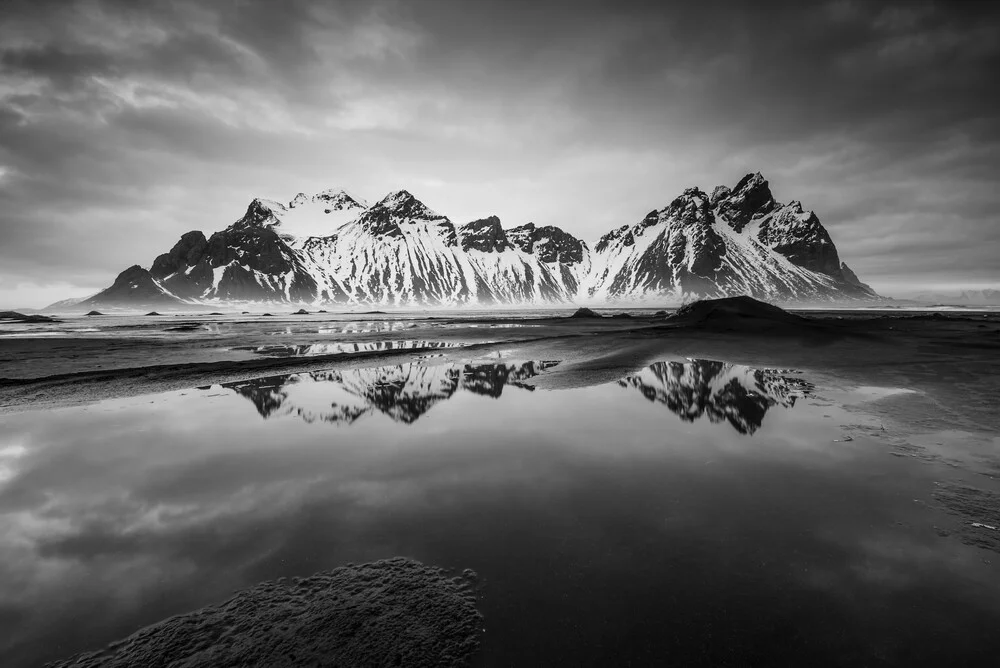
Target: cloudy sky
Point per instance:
(124, 124)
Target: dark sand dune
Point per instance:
(21, 317)
(395, 612)
(748, 316)
(732, 310)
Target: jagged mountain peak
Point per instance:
(548, 243)
(752, 182)
(750, 199)
(402, 203)
(400, 213)
(341, 197)
(719, 193)
(737, 241)
(694, 193)
(261, 212)
(693, 206)
(485, 235)
(304, 216)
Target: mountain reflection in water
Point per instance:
(723, 392)
(403, 392)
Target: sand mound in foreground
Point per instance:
(391, 612)
(732, 311)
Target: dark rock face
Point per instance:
(395, 612)
(484, 235)
(402, 208)
(185, 253)
(751, 198)
(586, 313)
(720, 193)
(379, 221)
(622, 235)
(247, 253)
(688, 252)
(801, 238)
(258, 214)
(734, 241)
(133, 286)
(852, 278)
(548, 243)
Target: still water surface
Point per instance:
(694, 513)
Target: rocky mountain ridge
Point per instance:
(332, 247)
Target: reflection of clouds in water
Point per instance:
(163, 507)
(192, 520)
(213, 522)
(9, 454)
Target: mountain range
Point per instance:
(333, 247)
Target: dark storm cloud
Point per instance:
(124, 124)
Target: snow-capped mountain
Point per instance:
(332, 247)
(720, 391)
(732, 242)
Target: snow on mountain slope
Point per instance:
(738, 241)
(305, 216)
(332, 247)
(399, 252)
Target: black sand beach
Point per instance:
(617, 462)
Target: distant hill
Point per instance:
(984, 297)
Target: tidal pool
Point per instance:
(693, 513)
